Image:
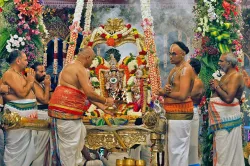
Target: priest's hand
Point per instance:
(214, 84)
(168, 88)
(106, 111)
(109, 101)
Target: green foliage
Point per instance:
(217, 34)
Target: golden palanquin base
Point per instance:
(130, 135)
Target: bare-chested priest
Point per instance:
(178, 105)
(66, 107)
(42, 92)
(19, 148)
(224, 114)
(4, 89)
(196, 96)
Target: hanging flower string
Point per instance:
(86, 30)
(74, 30)
(147, 25)
(55, 64)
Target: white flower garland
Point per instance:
(55, 63)
(146, 14)
(88, 14)
(78, 11)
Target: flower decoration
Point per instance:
(88, 14)
(220, 25)
(111, 42)
(15, 42)
(25, 34)
(30, 9)
(132, 66)
(95, 82)
(110, 38)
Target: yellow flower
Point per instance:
(115, 36)
(107, 36)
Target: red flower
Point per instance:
(136, 107)
(103, 35)
(98, 68)
(239, 60)
(128, 26)
(143, 52)
(111, 42)
(237, 68)
(102, 26)
(136, 36)
(119, 36)
(90, 44)
(1, 10)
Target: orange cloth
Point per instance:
(179, 111)
(67, 103)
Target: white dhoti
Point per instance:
(225, 122)
(178, 142)
(193, 158)
(20, 148)
(70, 141)
(42, 142)
(111, 161)
(142, 152)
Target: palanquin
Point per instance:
(127, 81)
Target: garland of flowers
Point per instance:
(147, 25)
(88, 14)
(117, 35)
(218, 25)
(25, 31)
(110, 38)
(74, 30)
(55, 63)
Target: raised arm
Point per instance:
(83, 78)
(43, 95)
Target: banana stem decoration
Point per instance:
(222, 36)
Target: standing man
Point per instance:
(66, 107)
(178, 105)
(42, 92)
(224, 114)
(19, 148)
(4, 89)
(196, 96)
